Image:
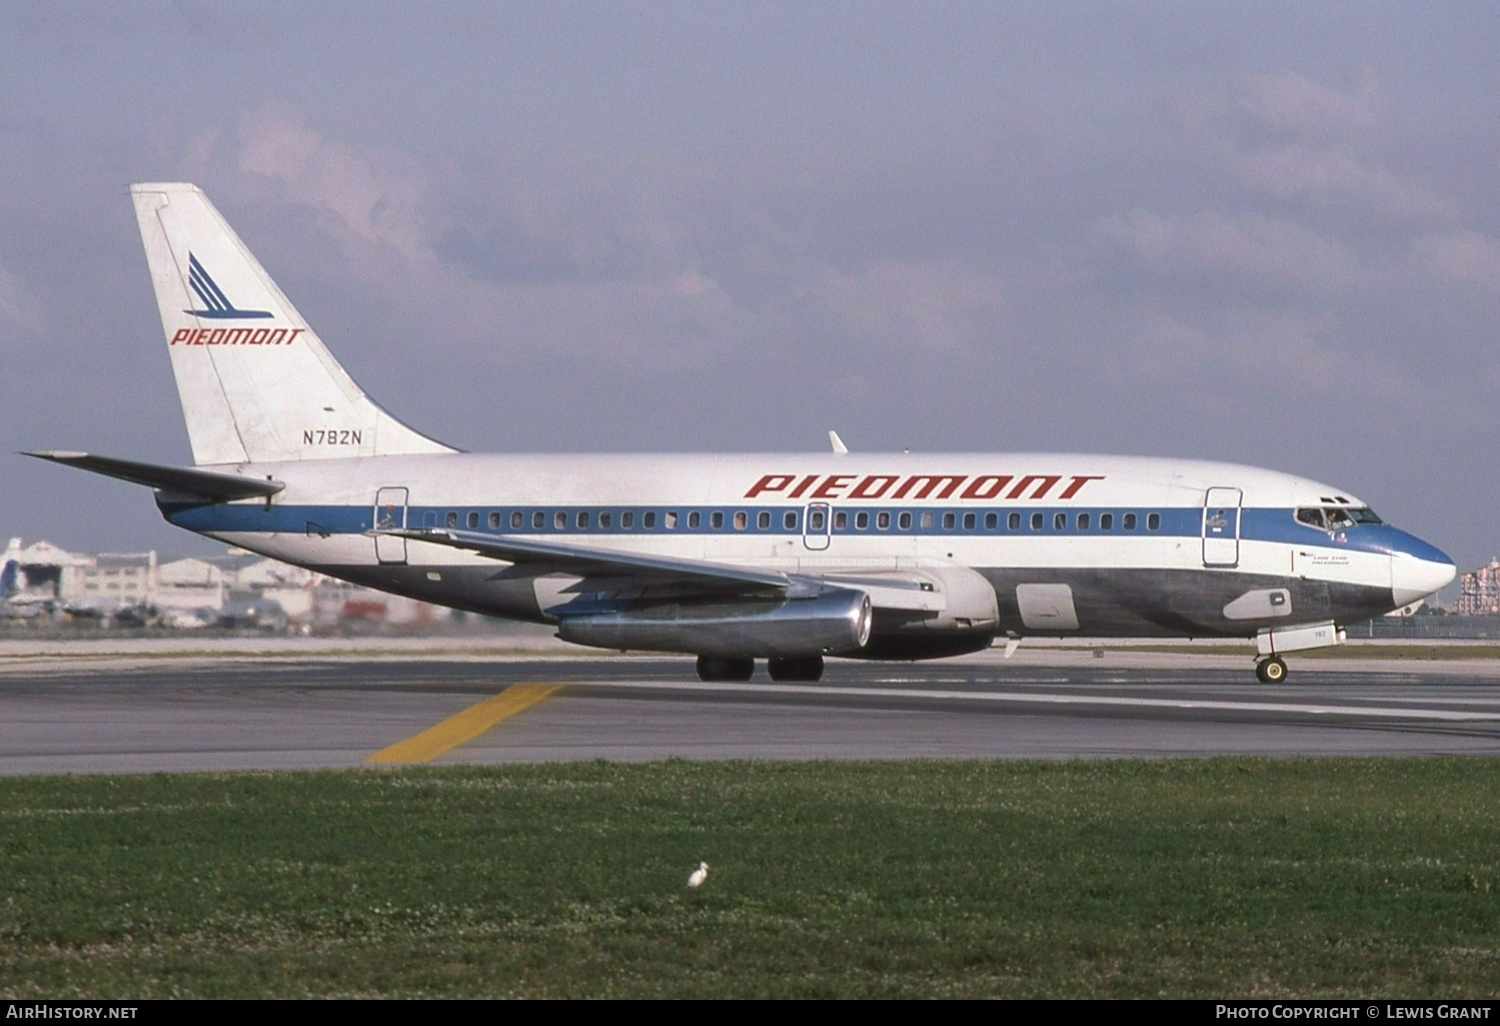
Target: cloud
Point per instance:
(940, 307)
(1323, 175)
(1463, 256)
(1256, 249)
(374, 206)
(1290, 103)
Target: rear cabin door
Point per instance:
(1221, 527)
(390, 514)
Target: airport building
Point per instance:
(43, 583)
(1479, 591)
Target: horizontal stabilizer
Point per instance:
(204, 484)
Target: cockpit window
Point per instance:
(1335, 518)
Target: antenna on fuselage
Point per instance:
(839, 448)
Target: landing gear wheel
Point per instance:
(1271, 671)
(723, 668)
(808, 669)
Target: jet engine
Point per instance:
(833, 622)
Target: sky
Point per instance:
(1264, 233)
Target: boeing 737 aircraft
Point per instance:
(788, 558)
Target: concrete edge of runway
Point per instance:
(26, 655)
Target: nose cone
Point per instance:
(1418, 570)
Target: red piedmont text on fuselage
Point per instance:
(236, 336)
(919, 486)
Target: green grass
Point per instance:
(1225, 877)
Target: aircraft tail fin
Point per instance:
(256, 382)
(10, 569)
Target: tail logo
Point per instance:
(216, 304)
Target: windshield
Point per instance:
(1335, 518)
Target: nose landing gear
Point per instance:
(1271, 671)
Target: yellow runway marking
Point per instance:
(464, 726)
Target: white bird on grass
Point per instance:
(699, 875)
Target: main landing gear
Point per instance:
(723, 668)
(807, 669)
(1271, 671)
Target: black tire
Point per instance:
(725, 669)
(807, 670)
(1271, 671)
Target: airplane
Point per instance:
(789, 558)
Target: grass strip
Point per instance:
(1183, 878)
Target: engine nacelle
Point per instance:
(967, 623)
(835, 622)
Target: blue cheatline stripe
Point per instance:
(1267, 525)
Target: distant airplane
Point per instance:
(788, 558)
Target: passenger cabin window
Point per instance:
(1036, 521)
(741, 521)
(925, 521)
(815, 520)
(763, 520)
(627, 520)
(517, 520)
(789, 521)
(716, 520)
(948, 521)
(904, 521)
(582, 520)
(452, 519)
(494, 521)
(883, 521)
(1128, 521)
(648, 520)
(1059, 521)
(560, 520)
(472, 520)
(1083, 521)
(605, 520)
(862, 521)
(841, 521)
(1106, 521)
(991, 521)
(969, 521)
(694, 520)
(1153, 521)
(1013, 522)
(538, 520)
(669, 521)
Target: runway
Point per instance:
(247, 713)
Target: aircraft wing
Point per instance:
(904, 590)
(590, 562)
(204, 484)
